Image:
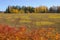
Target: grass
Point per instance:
(34, 20)
(45, 23)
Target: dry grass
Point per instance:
(32, 20)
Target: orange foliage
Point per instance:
(11, 33)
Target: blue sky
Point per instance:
(34, 3)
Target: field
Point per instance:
(32, 21)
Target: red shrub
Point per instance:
(11, 33)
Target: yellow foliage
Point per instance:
(21, 11)
(14, 11)
(41, 9)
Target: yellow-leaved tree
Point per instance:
(41, 9)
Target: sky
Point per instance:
(34, 3)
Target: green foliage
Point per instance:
(12, 9)
(7, 10)
(29, 9)
(17, 9)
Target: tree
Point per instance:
(12, 9)
(41, 9)
(30, 9)
(21, 11)
(27, 9)
(58, 9)
(23, 8)
(53, 9)
(7, 10)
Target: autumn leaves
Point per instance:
(21, 33)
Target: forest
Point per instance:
(29, 9)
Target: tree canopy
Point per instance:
(29, 9)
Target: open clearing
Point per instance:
(32, 20)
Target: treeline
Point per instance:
(29, 9)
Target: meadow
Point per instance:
(33, 22)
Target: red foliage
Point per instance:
(11, 33)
